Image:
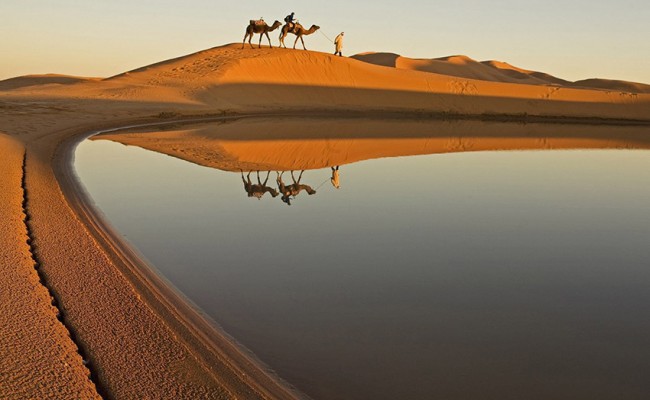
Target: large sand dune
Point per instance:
(230, 79)
(139, 337)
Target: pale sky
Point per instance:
(572, 39)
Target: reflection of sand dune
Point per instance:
(297, 144)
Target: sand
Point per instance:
(494, 71)
(141, 339)
(39, 359)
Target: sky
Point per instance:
(571, 39)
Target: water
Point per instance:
(468, 275)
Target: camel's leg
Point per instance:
(302, 41)
(269, 39)
(282, 36)
(243, 43)
(259, 45)
(250, 37)
(267, 177)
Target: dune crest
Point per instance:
(494, 71)
(228, 78)
(39, 80)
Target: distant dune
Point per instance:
(39, 80)
(459, 66)
(609, 84)
(494, 71)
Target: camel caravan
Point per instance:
(291, 26)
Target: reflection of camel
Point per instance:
(260, 189)
(294, 189)
(297, 30)
(262, 29)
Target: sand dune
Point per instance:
(138, 335)
(459, 66)
(40, 80)
(228, 78)
(494, 71)
(609, 84)
(523, 74)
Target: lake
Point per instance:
(456, 260)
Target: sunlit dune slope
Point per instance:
(229, 78)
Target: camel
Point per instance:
(297, 30)
(260, 189)
(262, 29)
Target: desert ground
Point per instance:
(84, 317)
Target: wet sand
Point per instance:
(138, 337)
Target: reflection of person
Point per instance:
(335, 177)
(294, 189)
(260, 189)
(338, 43)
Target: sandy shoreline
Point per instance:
(214, 347)
(139, 337)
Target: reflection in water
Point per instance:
(260, 189)
(503, 275)
(335, 177)
(291, 191)
(265, 144)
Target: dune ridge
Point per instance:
(494, 71)
(280, 79)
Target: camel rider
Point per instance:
(289, 19)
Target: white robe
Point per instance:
(338, 41)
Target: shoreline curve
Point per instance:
(201, 334)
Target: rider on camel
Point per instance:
(290, 20)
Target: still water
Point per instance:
(457, 275)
